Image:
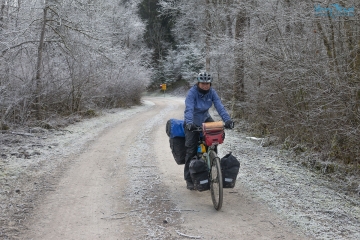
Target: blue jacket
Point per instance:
(197, 106)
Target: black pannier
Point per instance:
(175, 131)
(177, 145)
(229, 168)
(199, 173)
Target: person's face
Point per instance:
(204, 86)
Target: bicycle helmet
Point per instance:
(204, 77)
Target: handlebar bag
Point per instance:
(213, 133)
(229, 168)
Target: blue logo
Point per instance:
(334, 11)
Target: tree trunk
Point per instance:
(208, 35)
(3, 12)
(238, 87)
(38, 65)
(228, 18)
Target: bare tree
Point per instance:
(239, 70)
(39, 61)
(59, 57)
(298, 67)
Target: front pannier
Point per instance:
(175, 131)
(199, 173)
(230, 168)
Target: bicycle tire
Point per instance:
(216, 184)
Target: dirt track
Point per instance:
(126, 185)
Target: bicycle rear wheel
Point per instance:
(216, 184)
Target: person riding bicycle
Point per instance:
(198, 101)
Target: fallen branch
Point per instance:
(188, 236)
(182, 210)
(119, 213)
(155, 198)
(23, 134)
(112, 218)
(144, 166)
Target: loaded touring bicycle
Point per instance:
(207, 170)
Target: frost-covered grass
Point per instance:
(296, 193)
(311, 201)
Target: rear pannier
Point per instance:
(199, 173)
(177, 145)
(175, 131)
(229, 168)
(175, 128)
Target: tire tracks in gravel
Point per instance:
(26, 182)
(146, 191)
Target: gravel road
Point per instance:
(113, 177)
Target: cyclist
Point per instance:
(197, 103)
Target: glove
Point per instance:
(191, 126)
(229, 124)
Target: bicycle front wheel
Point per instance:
(216, 184)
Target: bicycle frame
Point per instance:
(214, 168)
(207, 155)
(208, 148)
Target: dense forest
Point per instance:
(290, 68)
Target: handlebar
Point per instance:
(198, 129)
